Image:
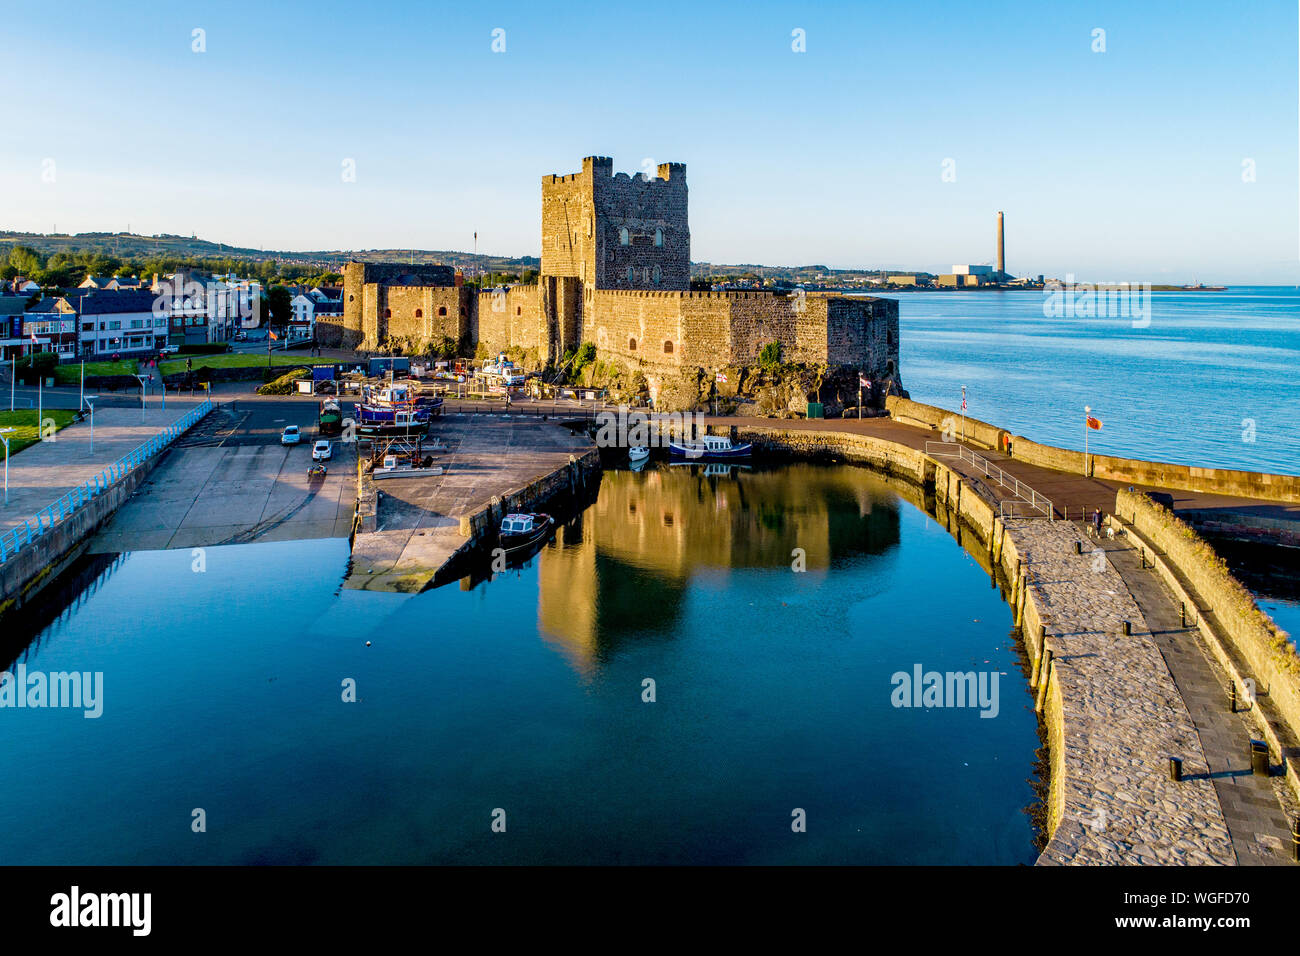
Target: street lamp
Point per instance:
(91, 400)
(142, 379)
(3, 433)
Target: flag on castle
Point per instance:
(1094, 423)
(864, 381)
(720, 377)
(274, 337)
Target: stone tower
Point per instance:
(617, 231)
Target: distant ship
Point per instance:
(1198, 287)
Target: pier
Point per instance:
(411, 529)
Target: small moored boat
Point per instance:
(638, 453)
(523, 530)
(710, 448)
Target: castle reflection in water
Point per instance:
(622, 569)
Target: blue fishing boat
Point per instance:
(394, 408)
(710, 448)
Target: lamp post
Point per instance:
(142, 380)
(91, 400)
(3, 433)
(13, 377)
(963, 413)
(83, 380)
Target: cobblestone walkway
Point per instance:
(1256, 808)
(1123, 718)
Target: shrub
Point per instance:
(769, 356)
(43, 367)
(284, 385)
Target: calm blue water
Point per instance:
(1186, 388)
(223, 691)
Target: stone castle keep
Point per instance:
(615, 272)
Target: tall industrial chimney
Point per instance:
(1002, 257)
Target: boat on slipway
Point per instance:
(395, 408)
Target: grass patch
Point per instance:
(25, 421)
(242, 360)
(71, 374)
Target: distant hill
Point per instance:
(125, 245)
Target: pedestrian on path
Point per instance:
(1096, 521)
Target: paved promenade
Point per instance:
(1123, 719)
(42, 473)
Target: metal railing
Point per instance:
(946, 449)
(15, 539)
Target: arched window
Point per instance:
(668, 347)
(658, 275)
(388, 313)
(351, 297)
(624, 238)
(462, 311)
(659, 237)
(419, 313)
(442, 310)
(629, 274)
(631, 345)
(519, 310)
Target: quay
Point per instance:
(411, 530)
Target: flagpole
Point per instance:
(1087, 410)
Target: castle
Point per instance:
(615, 272)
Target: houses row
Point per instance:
(108, 316)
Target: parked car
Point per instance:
(167, 350)
(322, 451)
(290, 435)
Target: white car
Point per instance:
(322, 451)
(290, 435)
(167, 350)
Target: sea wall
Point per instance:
(1132, 471)
(931, 416)
(1222, 481)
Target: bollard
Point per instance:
(1259, 758)
(1295, 839)
(1128, 628)
(1175, 769)
(1182, 614)
(1232, 697)
(1078, 547)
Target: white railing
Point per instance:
(949, 449)
(15, 539)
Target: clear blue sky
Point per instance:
(1123, 165)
